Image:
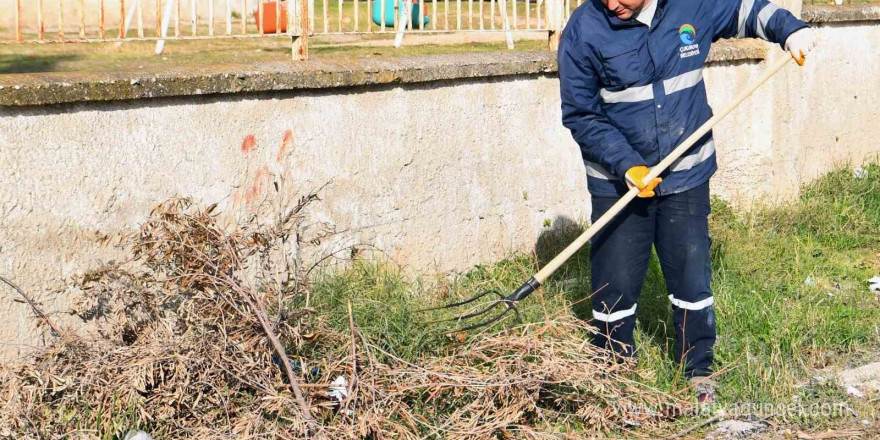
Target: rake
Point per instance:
(506, 306)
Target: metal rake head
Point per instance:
(493, 312)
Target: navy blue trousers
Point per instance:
(677, 226)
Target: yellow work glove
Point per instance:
(635, 176)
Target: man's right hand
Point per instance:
(801, 43)
(635, 176)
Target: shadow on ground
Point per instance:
(24, 63)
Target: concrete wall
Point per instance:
(438, 174)
(804, 121)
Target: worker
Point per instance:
(631, 80)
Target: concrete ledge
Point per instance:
(843, 13)
(58, 88)
(54, 88)
(739, 50)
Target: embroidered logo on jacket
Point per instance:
(688, 36)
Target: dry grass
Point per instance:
(189, 337)
(138, 56)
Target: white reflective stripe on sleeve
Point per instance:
(683, 81)
(598, 171)
(745, 9)
(632, 94)
(763, 18)
(688, 162)
(699, 305)
(616, 316)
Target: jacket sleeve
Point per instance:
(754, 19)
(582, 113)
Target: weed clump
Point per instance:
(841, 209)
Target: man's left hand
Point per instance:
(800, 44)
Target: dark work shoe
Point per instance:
(705, 388)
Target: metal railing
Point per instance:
(37, 21)
(841, 2)
(51, 21)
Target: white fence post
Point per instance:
(402, 22)
(553, 17)
(508, 35)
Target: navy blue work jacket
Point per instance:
(631, 94)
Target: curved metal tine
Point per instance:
(489, 322)
(483, 311)
(462, 303)
(469, 315)
(515, 313)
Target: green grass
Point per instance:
(109, 423)
(384, 302)
(138, 55)
(775, 326)
(776, 331)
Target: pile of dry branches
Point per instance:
(522, 383)
(190, 339)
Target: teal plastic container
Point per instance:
(389, 13)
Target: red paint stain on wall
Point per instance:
(286, 145)
(249, 143)
(255, 190)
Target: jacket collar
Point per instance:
(618, 23)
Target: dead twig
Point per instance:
(687, 431)
(260, 312)
(39, 312)
(352, 386)
(832, 434)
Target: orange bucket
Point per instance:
(269, 21)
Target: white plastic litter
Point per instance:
(853, 391)
(729, 429)
(859, 172)
(137, 435)
(338, 389)
(809, 281)
(874, 284)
